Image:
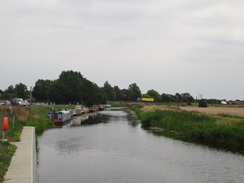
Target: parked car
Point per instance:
(5, 102)
(20, 102)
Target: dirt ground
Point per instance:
(234, 111)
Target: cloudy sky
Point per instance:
(171, 46)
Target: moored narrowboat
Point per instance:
(60, 116)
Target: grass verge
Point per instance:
(195, 127)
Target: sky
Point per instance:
(171, 46)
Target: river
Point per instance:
(113, 148)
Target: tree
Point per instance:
(133, 92)
(154, 94)
(118, 93)
(178, 97)
(1, 93)
(41, 90)
(125, 93)
(21, 91)
(109, 91)
(9, 93)
(167, 98)
(186, 97)
(71, 87)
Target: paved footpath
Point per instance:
(23, 167)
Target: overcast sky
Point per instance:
(194, 46)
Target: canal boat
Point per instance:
(100, 107)
(85, 110)
(93, 108)
(60, 116)
(77, 111)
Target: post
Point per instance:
(13, 120)
(30, 103)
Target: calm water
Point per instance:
(114, 148)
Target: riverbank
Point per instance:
(224, 130)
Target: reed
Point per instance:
(195, 127)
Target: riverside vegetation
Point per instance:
(19, 117)
(220, 131)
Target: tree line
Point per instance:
(72, 87)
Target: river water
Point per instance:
(113, 148)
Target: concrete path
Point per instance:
(23, 167)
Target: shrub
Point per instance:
(202, 103)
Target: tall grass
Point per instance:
(196, 127)
(37, 118)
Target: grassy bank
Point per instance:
(215, 131)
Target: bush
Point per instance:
(202, 103)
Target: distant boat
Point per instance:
(93, 108)
(100, 107)
(85, 110)
(77, 111)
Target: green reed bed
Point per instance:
(196, 127)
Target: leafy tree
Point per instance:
(1, 94)
(9, 93)
(21, 91)
(71, 87)
(154, 94)
(109, 91)
(167, 98)
(178, 97)
(118, 93)
(146, 96)
(92, 94)
(125, 93)
(186, 97)
(133, 92)
(42, 89)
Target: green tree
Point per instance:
(146, 96)
(186, 97)
(178, 97)
(154, 94)
(133, 92)
(9, 93)
(125, 93)
(109, 91)
(72, 87)
(42, 89)
(21, 91)
(167, 98)
(118, 93)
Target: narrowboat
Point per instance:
(100, 107)
(77, 111)
(60, 116)
(93, 109)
